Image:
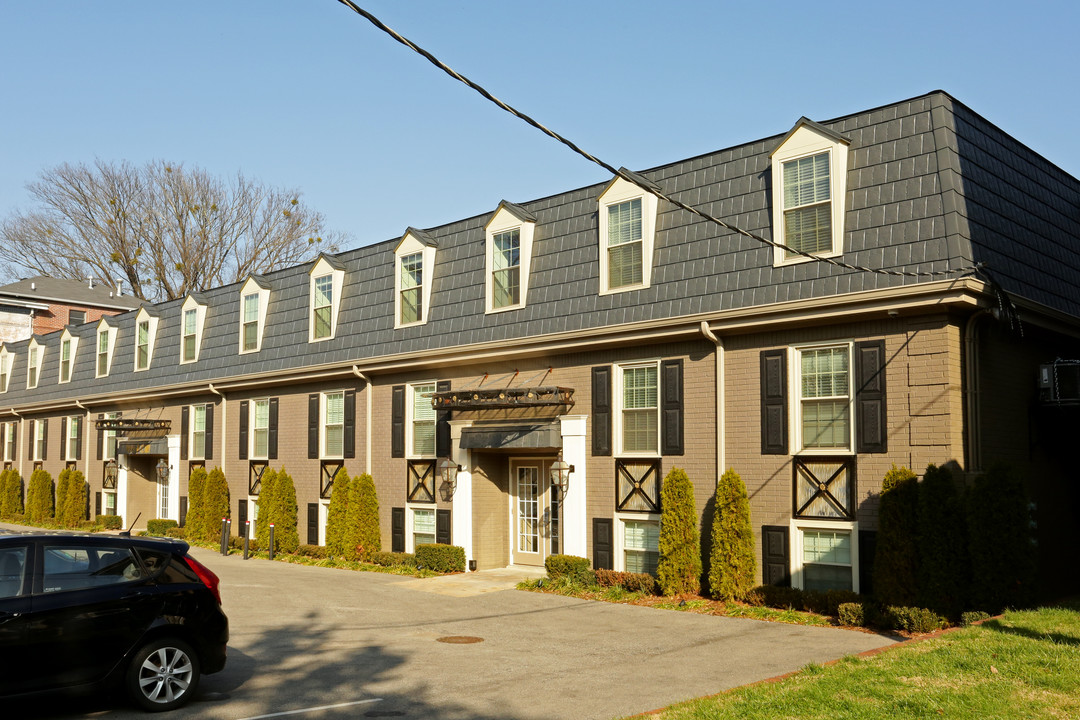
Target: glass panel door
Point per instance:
(530, 533)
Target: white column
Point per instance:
(121, 489)
(574, 516)
(174, 477)
(461, 520)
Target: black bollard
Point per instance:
(247, 531)
(224, 536)
(271, 541)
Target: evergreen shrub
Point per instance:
(312, 551)
(440, 558)
(74, 509)
(362, 535)
(160, 527)
(284, 509)
(39, 497)
(896, 556)
(196, 521)
(337, 512)
(62, 481)
(265, 503)
(110, 522)
(11, 493)
(732, 563)
(678, 570)
(851, 613)
(914, 619)
(215, 505)
(393, 559)
(629, 581)
(1002, 548)
(175, 532)
(973, 616)
(942, 543)
(571, 567)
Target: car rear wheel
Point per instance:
(163, 675)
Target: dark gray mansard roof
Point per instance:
(930, 186)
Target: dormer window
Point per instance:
(254, 297)
(5, 369)
(145, 336)
(34, 355)
(809, 172)
(327, 277)
(627, 235)
(192, 320)
(68, 344)
(509, 238)
(106, 340)
(414, 259)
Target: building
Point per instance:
(609, 328)
(39, 305)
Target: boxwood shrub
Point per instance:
(569, 566)
(631, 582)
(851, 613)
(159, 527)
(313, 551)
(393, 559)
(110, 522)
(914, 619)
(440, 558)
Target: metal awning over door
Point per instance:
(534, 436)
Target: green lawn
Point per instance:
(1023, 665)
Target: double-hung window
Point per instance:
(326, 282)
(412, 287)
(333, 430)
(423, 530)
(250, 326)
(198, 432)
(5, 369)
(627, 215)
(260, 429)
(65, 359)
(322, 307)
(639, 412)
(825, 554)
(188, 353)
(823, 405)
(108, 439)
(71, 442)
(641, 546)
(421, 420)
(414, 260)
(807, 211)
(102, 363)
(33, 367)
(508, 243)
(142, 346)
(506, 269)
(624, 244)
(8, 439)
(40, 437)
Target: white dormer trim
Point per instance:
(72, 342)
(35, 355)
(151, 336)
(412, 243)
(6, 361)
(507, 218)
(808, 139)
(190, 303)
(253, 287)
(619, 191)
(321, 269)
(104, 327)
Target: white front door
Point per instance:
(528, 489)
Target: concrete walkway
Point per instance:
(474, 583)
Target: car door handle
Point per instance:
(9, 615)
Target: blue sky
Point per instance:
(306, 94)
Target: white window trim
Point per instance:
(36, 365)
(252, 414)
(106, 436)
(410, 526)
(322, 268)
(795, 535)
(410, 245)
(804, 141)
(795, 399)
(505, 221)
(103, 326)
(620, 191)
(322, 425)
(151, 339)
(192, 431)
(73, 341)
(252, 287)
(617, 406)
(619, 539)
(6, 362)
(9, 429)
(40, 437)
(200, 321)
(410, 395)
(72, 421)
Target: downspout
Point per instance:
(224, 417)
(972, 434)
(367, 442)
(721, 445)
(86, 437)
(19, 453)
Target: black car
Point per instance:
(95, 610)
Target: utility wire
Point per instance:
(632, 177)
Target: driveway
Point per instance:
(374, 645)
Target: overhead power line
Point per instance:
(629, 176)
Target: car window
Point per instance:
(12, 571)
(164, 566)
(72, 567)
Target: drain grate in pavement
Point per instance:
(459, 639)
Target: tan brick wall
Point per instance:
(491, 510)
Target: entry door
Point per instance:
(529, 494)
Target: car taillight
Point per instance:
(209, 579)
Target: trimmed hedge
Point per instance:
(11, 494)
(39, 497)
(110, 522)
(286, 535)
(312, 551)
(196, 520)
(62, 482)
(1002, 546)
(362, 536)
(973, 616)
(75, 495)
(851, 613)
(732, 564)
(393, 559)
(631, 582)
(175, 532)
(336, 513)
(678, 570)
(160, 527)
(822, 602)
(942, 542)
(440, 558)
(215, 502)
(568, 566)
(896, 557)
(914, 619)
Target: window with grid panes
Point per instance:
(422, 420)
(71, 442)
(412, 283)
(639, 415)
(322, 306)
(142, 346)
(188, 341)
(260, 429)
(102, 353)
(423, 527)
(39, 440)
(826, 559)
(9, 440)
(108, 437)
(807, 212)
(198, 432)
(641, 546)
(65, 360)
(334, 424)
(251, 321)
(506, 269)
(624, 244)
(5, 371)
(32, 368)
(825, 397)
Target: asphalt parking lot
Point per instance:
(375, 646)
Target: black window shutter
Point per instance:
(442, 527)
(774, 551)
(97, 503)
(313, 523)
(867, 552)
(442, 426)
(78, 437)
(101, 442)
(871, 427)
(242, 438)
(64, 438)
(183, 510)
(33, 439)
(241, 517)
(774, 435)
(601, 544)
(185, 420)
(350, 424)
(671, 386)
(45, 439)
(209, 432)
(313, 426)
(86, 508)
(601, 410)
(397, 529)
(271, 435)
(397, 426)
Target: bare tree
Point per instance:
(164, 229)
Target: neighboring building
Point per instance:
(606, 326)
(39, 305)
